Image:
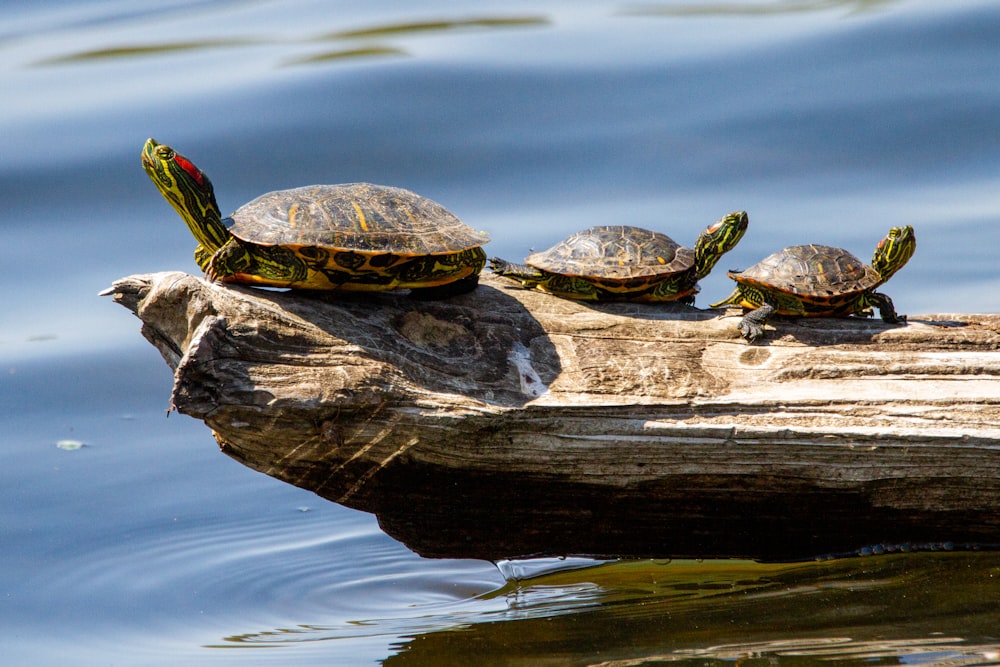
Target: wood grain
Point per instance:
(508, 423)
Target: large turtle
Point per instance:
(356, 236)
(819, 281)
(622, 263)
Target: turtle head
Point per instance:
(894, 251)
(188, 190)
(719, 238)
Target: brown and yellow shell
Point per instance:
(815, 273)
(615, 253)
(359, 217)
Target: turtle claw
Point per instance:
(752, 325)
(211, 276)
(751, 331)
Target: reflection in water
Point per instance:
(133, 51)
(347, 54)
(367, 50)
(438, 26)
(922, 650)
(519, 570)
(750, 9)
(641, 612)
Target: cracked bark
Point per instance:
(508, 423)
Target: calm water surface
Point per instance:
(828, 121)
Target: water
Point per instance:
(828, 121)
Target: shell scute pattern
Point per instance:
(355, 218)
(625, 263)
(614, 254)
(811, 271)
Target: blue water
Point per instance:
(828, 121)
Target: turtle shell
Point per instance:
(813, 272)
(361, 217)
(614, 253)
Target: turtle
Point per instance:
(819, 281)
(625, 263)
(350, 237)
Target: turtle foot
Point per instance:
(886, 309)
(751, 331)
(499, 266)
(752, 324)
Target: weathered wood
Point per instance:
(506, 423)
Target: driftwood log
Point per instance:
(509, 423)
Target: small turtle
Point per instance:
(621, 263)
(819, 281)
(357, 236)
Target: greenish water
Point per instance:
(828, 121)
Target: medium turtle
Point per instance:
(819, 281)
(622, 263)
(357, 236)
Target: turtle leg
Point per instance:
(202, 255)
(277, 265)
(885, 308)
(528, 276)
(230, 259)
(733, 299)
(752, 324)
(684, 283)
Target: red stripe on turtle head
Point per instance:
(192, 171)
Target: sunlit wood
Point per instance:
(506, 422)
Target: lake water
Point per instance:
(828, 121)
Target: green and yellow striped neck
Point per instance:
(188, 190)
(718, 239)
(894, 251)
